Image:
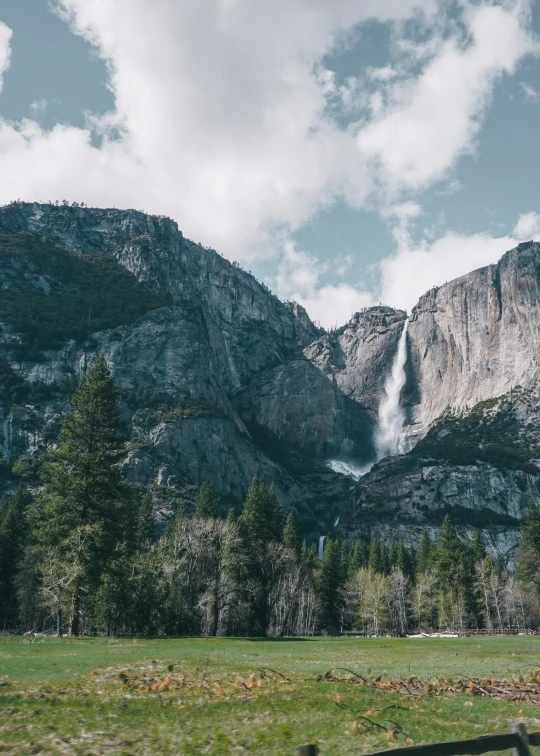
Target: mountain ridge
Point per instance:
(231, 382)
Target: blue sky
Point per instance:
(347, 153)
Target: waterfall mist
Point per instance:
(389, 437)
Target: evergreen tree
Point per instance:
(329, 583)
(393, 555)
(425, 554)
(357, 559)
(345, 557)
(477, 547)
(83, 514)
(260, 526)
(528, 559)
(260, 521)
(291, 538)
(13, 534)
(449, 554)
(207, 503)
(403, 561)
(146, 521)
(231, 517)
(385, 560)
(375, 559)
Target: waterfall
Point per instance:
(322, 539)
(389, 437)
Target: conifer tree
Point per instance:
(206, 503)
(146, 521)
(345, 557)
(425, 554)
(83, 514)
(231, 517)
(329, 584)
(528, 559)
(403, 561)
(357, 559)
(259, 527)
(260, 521)
(13, 532)
(290, 536)
(385, 560)
(449, 554)
(375, 560)
(477, 547)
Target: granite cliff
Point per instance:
(219, 378)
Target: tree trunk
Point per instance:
(59, 621)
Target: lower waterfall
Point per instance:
(389, 439)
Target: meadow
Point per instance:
(234, 696)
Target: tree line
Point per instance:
(82, 552)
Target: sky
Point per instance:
(348, 153)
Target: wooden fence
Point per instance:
(518, 740)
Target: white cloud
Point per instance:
(432, 119)
(222, 120)
(528, 227)
(530, 94)
(298, 279)
(5, 50)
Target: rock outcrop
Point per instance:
(220, 379)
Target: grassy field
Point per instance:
(214, 696)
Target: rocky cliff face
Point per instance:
(219, 378)
(476, 337)
(206, 331)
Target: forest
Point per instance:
(84, 552)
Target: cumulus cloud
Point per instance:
(430, 120)
(528, 227)
(5, 50)
(225, 118)
(299, 278)
(416, 268)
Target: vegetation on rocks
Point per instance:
(51, 295)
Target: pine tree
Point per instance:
(357, 559)
(393, 555)
(402, 559)
(260, 521)
(260, 526)
(385, 560)
(329, 585)
(146, 521)
(290, 536)
(375, 560)
(13, 534)
(83, 513)
(425, 554)
(477, 547)
(206, 503)
(528, 559)
(345, 557)
(231, 517)
(448, 554)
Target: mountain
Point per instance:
(221, 379)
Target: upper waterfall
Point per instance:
(389, 439)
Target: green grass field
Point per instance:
(210, 696)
